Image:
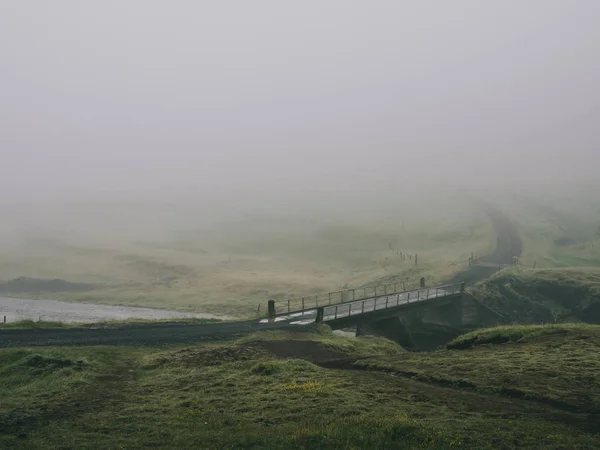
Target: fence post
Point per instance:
(5, 316)
(385, 289)
(403, 286)
(427, 292)
(302, 302)
(416, 258)
(462, 287)
(418, 294)
(288, 305)
(397, 299)
(330, 298)
(362, 310)
(335, 316)
(352, 294)
(375, 291)
(408, 301)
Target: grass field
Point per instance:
(558, 233)
(526, 387)
(232, 268)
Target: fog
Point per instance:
(246, 104)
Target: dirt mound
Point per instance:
(37, 285)
(308, 350)
(194, 357)
(311, 351)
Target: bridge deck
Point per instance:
(359, 307)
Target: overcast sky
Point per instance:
(143, 96)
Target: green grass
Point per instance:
(556, 365)
(520, 334)
(307, 390)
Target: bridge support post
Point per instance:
(320, 314)
(271, 309)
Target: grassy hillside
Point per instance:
(309, 390)
(558, 233)
(543, 295)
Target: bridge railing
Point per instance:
(390, 301)
(331, 298)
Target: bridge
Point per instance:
(418, 318)
(347, 312)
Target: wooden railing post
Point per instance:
(320, 314)
(271, 309)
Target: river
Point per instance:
(57, 311)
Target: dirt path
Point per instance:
(508, 242)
